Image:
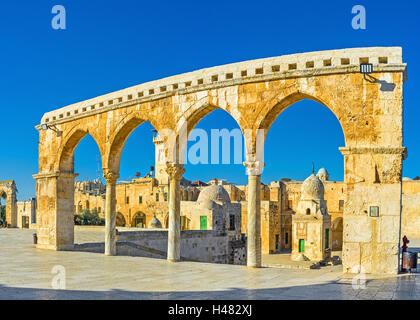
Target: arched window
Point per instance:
(308, 211)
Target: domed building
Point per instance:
(311, 224)
(213, 210)
(213, 194)
(323, 175)
(312, 188)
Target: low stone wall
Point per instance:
(196, 245)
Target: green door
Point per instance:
(277, 242)
(327, 238)
(301, 245)
(203, 222)
(25, 222)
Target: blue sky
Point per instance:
(110, 45)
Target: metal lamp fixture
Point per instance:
(366, 68)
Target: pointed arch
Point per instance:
(119, 138)
(286, 99)
(72, 139)
(196, 112)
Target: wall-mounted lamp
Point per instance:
(366, 68)
(45, 126)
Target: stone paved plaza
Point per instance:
(26, 273)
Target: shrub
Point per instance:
(88, 218)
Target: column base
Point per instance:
(68, 247)
(173, 260)
(254, 267)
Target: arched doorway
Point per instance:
(139, 220)
(120, 220)
(215, 149)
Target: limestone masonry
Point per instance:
(254, 93)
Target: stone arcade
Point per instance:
(8, 191)
(254, 93)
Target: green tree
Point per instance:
(88, 218)
(3, 208)
(3, 213)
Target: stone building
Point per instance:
(334, 194)
(26, 214)
(311, 224)
(89, 195)
(212, 210)
(410, 218)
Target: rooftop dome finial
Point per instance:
(312, 189)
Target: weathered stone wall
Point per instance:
(83, 200)
(26, 209)
(410, 220)
(198, 245)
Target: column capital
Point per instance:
(254, 168)
(175, 170)
(110, 177)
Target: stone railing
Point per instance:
(287, 66)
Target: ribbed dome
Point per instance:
(155, 223)
(312, 188)
(213, 193)
(322, 171)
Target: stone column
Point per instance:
(254, 170)
(11, 205)
(372, 211)
(55, 210)
(110, 214)
(175, 172)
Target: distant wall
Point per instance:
(410, 220)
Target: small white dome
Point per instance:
(322, 171)
(155, 223)
(213, 193)
(406, 179)
(312, 188)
